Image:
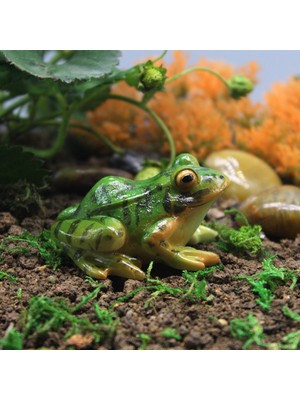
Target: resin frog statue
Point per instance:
(121, 223)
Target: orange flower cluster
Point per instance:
(277, 138)
(196, 108)
(202, 117)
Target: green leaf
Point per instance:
(17, 165)
(17, 83)
(81, 65)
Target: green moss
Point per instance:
(19, 293)
(171, 333)
(291, 341)
(46, 315)
(244, 239)
(5, 275)
(266, 282)
(248, 330)
(145, 340)
(194, 292)
(291, 314)
(13, 340)
(46, 247)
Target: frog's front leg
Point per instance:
(93, 243)
(158, 243)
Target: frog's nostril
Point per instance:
(222, 177)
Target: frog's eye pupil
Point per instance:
(187, 178)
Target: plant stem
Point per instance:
(59, 141)
(94, 132)
(15, 105)
(192, 69)
(100, 136)
(156, 118)
(161, 56)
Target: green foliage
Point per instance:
(248, 330)
(13, 340)
(197, 289)
(266, 282)
(50, 93)
(291, 341)
(5, 275)
(45, 314)
(291, 314)
(145, 340)
(194, 292)
(47, 248)
(265, 295)
(85, 299)
(81, 65)
(244, 239)
(171, 333)
(104, 316)
(18, 165)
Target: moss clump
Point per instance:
(5, 275)
(194, 292)
(248, 330)
(47, 248)
(46, 315)
(247, 238)
(145, 340)
(171, 333)
(13, 340)
(266, 282)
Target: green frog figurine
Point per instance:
(121, 223)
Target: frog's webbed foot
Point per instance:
(192, 259)
(100, 266)
(158, 243)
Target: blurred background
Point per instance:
(275, 65)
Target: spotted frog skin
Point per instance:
(121, 224)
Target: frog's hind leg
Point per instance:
(100, 266)
(102, 234)
(93, 244)
(68, 212)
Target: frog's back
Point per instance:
(105, 196)
(113, 196)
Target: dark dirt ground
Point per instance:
(201, 324)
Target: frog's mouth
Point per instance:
(197, 199)
(204, 196)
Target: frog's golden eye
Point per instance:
(186, 179)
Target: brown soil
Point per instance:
(201, 324)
